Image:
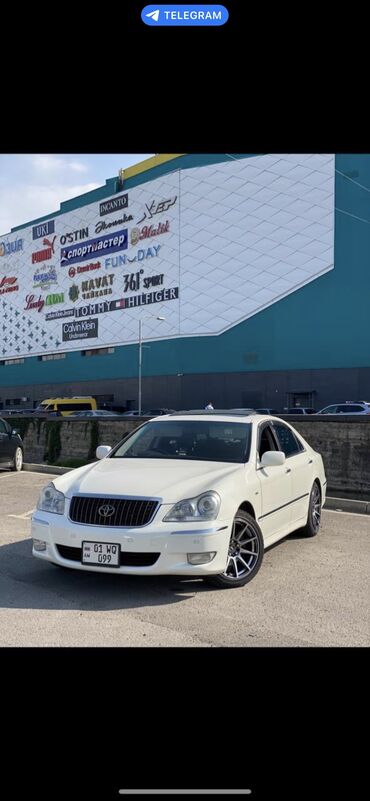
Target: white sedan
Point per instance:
(191, 494)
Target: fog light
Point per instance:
(201, 558)
(39, 545)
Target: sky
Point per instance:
(32, 185)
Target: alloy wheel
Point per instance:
(316, 507)
(243, 549)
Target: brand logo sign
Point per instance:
(84, 268)
(46, 279)
(50, 300)
(8, 284)
(116, 204)
(147, 231)
(81, 329)
(56, 315)
(142, 253)
(92, 288)
(146, 298)
(43, 229)
(74, 236)
(33, 303)
(100, 246)
(106, 511)
(157, 208)
(7, 248)
(102, 225)
(44, 255)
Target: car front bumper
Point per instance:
(165, 544)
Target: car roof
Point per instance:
(223, 416)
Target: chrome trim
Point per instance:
(118, 498)
(306, 495)
(195, 531)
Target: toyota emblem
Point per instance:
(106, 511)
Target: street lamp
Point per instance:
(140, 354)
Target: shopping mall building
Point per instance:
(258, 265)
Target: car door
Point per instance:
(6, 444)
(300, 464)
(275, 486)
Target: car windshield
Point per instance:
(203, 440)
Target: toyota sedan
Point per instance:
(190, 494)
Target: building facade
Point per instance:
(258, 265)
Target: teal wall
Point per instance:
(323, 325)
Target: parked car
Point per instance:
(158, 412)
(300, 410)
(242, 411)
(95, 413)
(198, 494)
(150, 413)
(349, 407)
(267, 411)
(11, 447)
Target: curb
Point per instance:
(347, 505)
(47, 468)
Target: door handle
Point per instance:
(288, 470)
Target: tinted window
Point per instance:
(3, 428)
(70, 407)
(266, 441)
(288, 442)
(296, 410)
(188, 439)
(349, 407)
(329, 410)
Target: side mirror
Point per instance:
(16, 431)
(272, 458)
(102, 451)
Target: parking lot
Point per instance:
(309, 592)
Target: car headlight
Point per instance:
(51, 500)
(204, 507)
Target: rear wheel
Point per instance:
(18, 460)
(245, 553)
(312, 526)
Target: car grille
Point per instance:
(128, 558)
(127, 511)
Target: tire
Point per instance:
(18, 460)
(245, 531)
(312, 526)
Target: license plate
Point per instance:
(103, 554)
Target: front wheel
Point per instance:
(245, 553)
(18, 460)
(314, 513)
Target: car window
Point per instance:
(266, 441)
(349, 407)
(329, 410)
(288, 441)
(3, 428)
(188, 440)
(296, 410)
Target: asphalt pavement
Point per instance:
(308, 592)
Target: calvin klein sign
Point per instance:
(80, 329)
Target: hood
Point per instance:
(168, 479)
